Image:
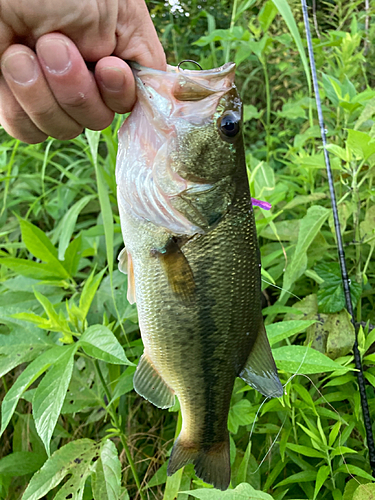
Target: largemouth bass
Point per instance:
(192, 257)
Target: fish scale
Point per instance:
(197, 291)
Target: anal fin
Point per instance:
(260, 370)
(150, 385)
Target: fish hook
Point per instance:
(190, 61)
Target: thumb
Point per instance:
(137, 39)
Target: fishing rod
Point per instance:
(340, 247)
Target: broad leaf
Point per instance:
(331, 298)
(27, 377)
(33, 269)
(74, 458)
(67, 224)
(106, 481)
(304, 360)
(99, 342)
(304, 476)
(285, 329)
(50, 394)
(243, 492)
(309, 228)
(285, 10)
(240, 414)
(41, 247)
(88, 293)
(73, 255)
(124, 383)
(21, 463)
(20, 346)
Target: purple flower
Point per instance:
(262, 204)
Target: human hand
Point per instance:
(46, 88)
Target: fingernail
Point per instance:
(21, 67)
(55, 54)
(112, 79)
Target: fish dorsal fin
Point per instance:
(150, 385)
(178, 271)
(125, 265)
(260, 370)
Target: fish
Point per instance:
(192, 257)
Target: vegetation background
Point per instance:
(71, 425)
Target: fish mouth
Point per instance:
(178, 93)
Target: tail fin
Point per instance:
(212, 462)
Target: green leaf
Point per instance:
(250, 112)
(334, 432)
(172, 485)
(99, 342)
(50, 394)
(41, 247)
(305, 450)
(74, 458)
(33, 269)
(360, 144)
(365, 492)
(21, 463)
(73, 255)
(267, 15)
(285, 329)
(27, 377)
(20, 346)
(106, 481)
(284, 9)
(309, 228)
(105, 205)
(66, 226)
(243, 492)
(356, 471)
(341, 450)
(331, 298)
(240, 413)
(124, 383)
(367, 227)
(300, 477)
(88, 293)
(242, 470)
(321, 477)
(160, 476)
(304, 360)
(304, 200)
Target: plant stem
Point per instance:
(268, 98)
(116, 423)
(175, 49)
(228, 45)
(357, 237)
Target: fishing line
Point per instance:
(341, 253)
(280, 288)
(282, 425)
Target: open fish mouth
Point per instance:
(176, 93)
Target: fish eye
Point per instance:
(229, 124)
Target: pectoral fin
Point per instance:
(125, 265)
(150, 385)
(178, 271)
(260, 370)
